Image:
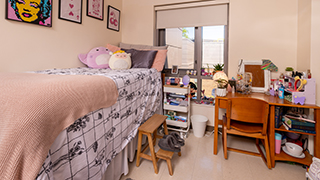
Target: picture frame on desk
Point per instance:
(174, 69)
(260, 78)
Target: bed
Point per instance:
(86, 148)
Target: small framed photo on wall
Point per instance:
(113, 18)
(174, 69)
(95, 9)
(34, 12)
(70, 10)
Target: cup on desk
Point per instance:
(278, 142)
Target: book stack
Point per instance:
(296, 123)
(278, 116)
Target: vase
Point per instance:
(221, 92)
(289, 73)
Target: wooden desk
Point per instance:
(221, 102)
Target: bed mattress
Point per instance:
(85, 149)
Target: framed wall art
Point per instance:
(34, 12)
(113, 18)
(70, 10)
(95, 9)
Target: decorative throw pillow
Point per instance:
(160, 58)
(96, 58)
(113, 48)
(141, 47)
(141, 58)
(120, 60)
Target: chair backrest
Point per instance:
(248, 110)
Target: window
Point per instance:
(180, 42)
(213, 45)
(196, 36)
(184, 43)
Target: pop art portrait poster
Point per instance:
(30, 11)
(70, 10)
(113, 18)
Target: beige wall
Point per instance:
(315, 45)
(139, 20)
(26, 47)
(304, 35)
(264, 29)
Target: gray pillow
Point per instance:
(141, 47)
(141, 58)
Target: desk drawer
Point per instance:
(223, 103)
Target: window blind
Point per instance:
(192, 16)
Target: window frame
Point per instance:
(160, 41)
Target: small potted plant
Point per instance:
(289, 71)
(218, 67)
(222, 87)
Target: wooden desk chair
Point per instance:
(247, 117)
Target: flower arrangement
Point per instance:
(222, 83)
(289, 71)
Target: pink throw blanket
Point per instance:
(35, 108)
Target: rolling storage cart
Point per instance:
(177, 107)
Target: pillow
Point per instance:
(160, 58)
(141, 47)
(120, 60)
(97, 58)
(141, 58)
(112, 48)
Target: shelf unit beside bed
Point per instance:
(180, 126)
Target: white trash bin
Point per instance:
(199, 123)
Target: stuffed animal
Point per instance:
(193, 89)
(96, 58)
(120, 60)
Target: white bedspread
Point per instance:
(85, 149)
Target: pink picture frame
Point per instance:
(70, 10)
(113, 21)
(95, 9)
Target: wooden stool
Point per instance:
(167, 155)
(148, 128)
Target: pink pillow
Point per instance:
(113, 48)
(160, 59)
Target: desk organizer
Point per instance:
(308, 96)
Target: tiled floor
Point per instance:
(198, 163)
